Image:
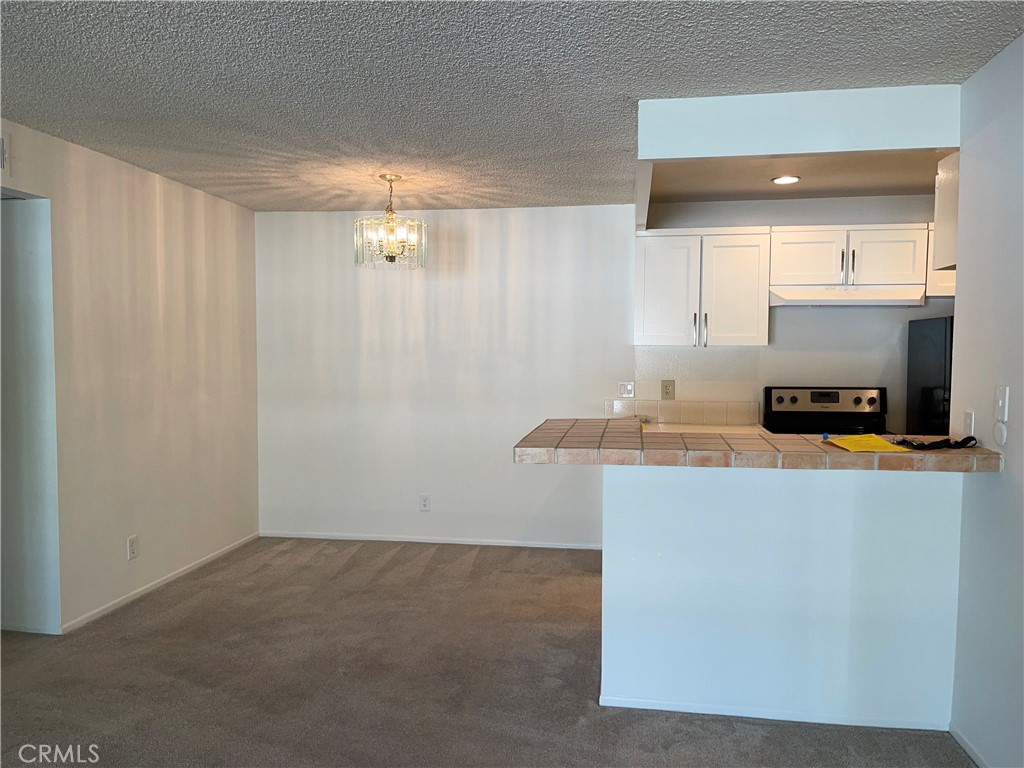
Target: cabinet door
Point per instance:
(734, 290)
(941, 282)
(888, 256)
(947, 210)
(667, 290)
(808, 258)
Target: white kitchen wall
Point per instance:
(988, 694)
(30, 539)
(155, 375)
(815, 596)
(868, 209)
(808, 346)
(375, 387)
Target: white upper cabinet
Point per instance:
(947, 211)
(734, 290)
(941, 282)
(667, 290)
(849, 255)
(808, 257)
(888, 256)
(694, 290)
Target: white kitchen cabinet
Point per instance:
(888, 256)
(808, 257)
(849, 255)
(941, 282)
(701, 290)
(734, 290)
(667, 290)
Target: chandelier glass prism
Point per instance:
(390, 241)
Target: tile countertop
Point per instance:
(626, 441)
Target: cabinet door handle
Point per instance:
(695, 329)
(842, 265)
(853, 263)
(705, 329)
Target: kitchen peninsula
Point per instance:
(739, 578)
(627, 442)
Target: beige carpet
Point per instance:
(327, 653)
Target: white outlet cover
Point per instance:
(968, 423)
(1002, 405)
(626, 389)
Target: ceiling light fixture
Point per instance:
(785, 179)
(390, 241)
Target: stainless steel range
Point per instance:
(816, 410)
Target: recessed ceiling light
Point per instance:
(785, 179)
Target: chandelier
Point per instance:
(390, 241)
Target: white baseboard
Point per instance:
(769, 714)
(135, 594)
(33, 630)
(968, 747)
(424, 539)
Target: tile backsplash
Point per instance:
(685, 411)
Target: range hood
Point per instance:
(846, 295)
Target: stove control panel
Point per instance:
(816, 400)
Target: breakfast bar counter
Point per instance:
(779, 591)
(629, 442)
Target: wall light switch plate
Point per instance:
(133, 547)
(626, 389)
(1002, 406)
(5, 156)
(668, 389)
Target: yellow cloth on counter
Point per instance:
(866, 443)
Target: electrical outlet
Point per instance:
(968, 423)
(133, 547)
(668, 389)
(424, 502)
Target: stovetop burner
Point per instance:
(815, 410)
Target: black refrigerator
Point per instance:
(929, 369)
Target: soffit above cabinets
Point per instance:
(833, 174)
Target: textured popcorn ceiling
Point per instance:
(299, 106)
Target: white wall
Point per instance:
(375, 387)
(31, 545)
(795, 123)
(816, 596)
(988, 699)
(868, 209)
(154, 336)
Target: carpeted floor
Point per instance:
(329, 653)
